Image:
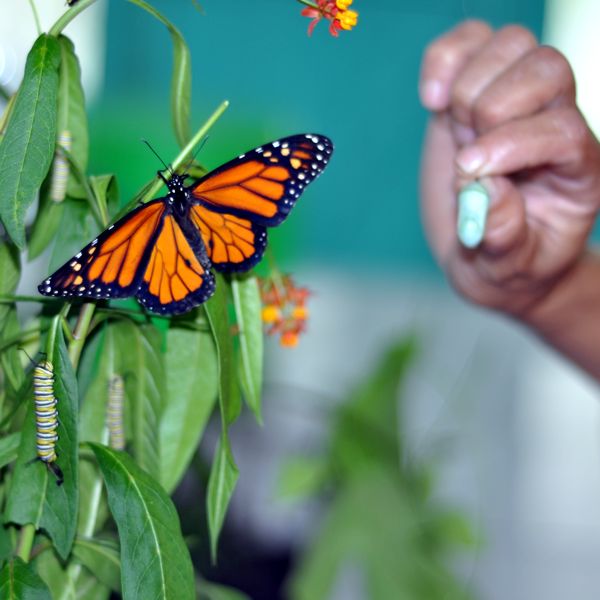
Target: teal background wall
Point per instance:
(360, 89)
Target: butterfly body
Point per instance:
(162, 252)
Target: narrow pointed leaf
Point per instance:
(71, 112)
(102, 559)
(218, 320)
(192, 384)
(248, 308)
(27, 148)
(221, 484)
(18, 581)
(155, 562)
(224, 472)
(181, 80)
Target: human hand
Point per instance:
(504, 112)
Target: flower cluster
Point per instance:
(335, 11)
(284, 309)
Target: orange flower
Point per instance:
(284, 312)
(334, 11)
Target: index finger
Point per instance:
(445, 58)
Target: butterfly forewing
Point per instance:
(264, 184)
(111, 265)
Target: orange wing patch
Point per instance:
(249, 186)
(109, 267)
(174, 273)
(232, 243)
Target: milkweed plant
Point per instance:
(103, 405)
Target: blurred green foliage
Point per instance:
(381, 520)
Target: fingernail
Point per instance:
(432, 95)
(470, 160)
(473, 206)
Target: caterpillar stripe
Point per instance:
(46, 416)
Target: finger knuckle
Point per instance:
(488, 112)
(552, 64)
(517, 37)
(572, 126)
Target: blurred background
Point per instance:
(501, 432)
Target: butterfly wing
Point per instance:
(178, 275)
(237, 201)
(111, 266)
(233, 244)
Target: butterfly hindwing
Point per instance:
(110, 266)
(264, 184)
(178, 275)
(233, 244)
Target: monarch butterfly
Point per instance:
(114, 413)
(162, 252)
(46, 421)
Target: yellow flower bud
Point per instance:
(347, 19)
(300, 313)
(270, 314)
(343, 4)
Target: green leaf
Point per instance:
(221, 484)
(71, 112)
(192, 383)
(213, 591)
(10, 359)
(77, 227)
(366, 431)
(303, 476)
(59, 517)
(34, 497)
(224, 472)
(101, 558)
(8, 540)
(218, 320)
(248, 309)
(140, 363)
(155, 562)
(18, 581)
(27, 148)
(9, 447)
(10, 272)
(92, 427)
(106, 191)
(46, 224)
(181, 80)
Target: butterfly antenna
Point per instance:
(167, 167)
(193, 158)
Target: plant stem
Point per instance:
(80, 331)
(36, 17)
(307, 3)
(189, 148)
(68, 16)
(26, 542)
